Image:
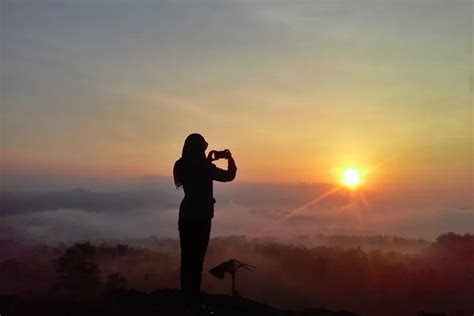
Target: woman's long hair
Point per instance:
(194, 150)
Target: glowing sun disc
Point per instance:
(351, 177)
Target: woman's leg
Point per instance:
(194, 239)
(202, 241)
(186, 242)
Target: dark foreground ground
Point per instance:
(131, 302)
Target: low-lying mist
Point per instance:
(437, 276)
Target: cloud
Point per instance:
(12, 203)
(252, 209)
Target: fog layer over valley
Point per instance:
(61, 211)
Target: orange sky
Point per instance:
(296, 92)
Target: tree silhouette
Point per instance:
(78, 275)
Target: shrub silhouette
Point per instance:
(78, 275)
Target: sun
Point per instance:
(351, 177)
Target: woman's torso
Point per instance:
(198, 201)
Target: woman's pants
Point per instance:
(193, 238)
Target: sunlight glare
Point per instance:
(351, 177)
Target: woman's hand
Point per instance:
(210, 155)
(228, 154)
(215, 155)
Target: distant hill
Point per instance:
(161, 302)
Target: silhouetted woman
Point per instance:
(195, 173)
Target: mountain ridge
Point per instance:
(157, 302)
